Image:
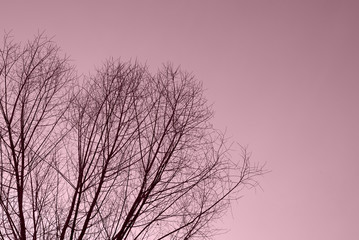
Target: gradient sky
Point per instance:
(283, 77)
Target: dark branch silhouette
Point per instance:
(120, 154)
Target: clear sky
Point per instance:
(283, 77)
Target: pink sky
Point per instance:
(283, 77)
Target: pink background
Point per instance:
(283, 77)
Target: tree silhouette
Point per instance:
(120, 154)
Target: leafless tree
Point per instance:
(124, 154)
(33, 103)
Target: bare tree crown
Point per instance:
(121, 154)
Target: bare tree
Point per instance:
(125, 154)
(33, 102)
